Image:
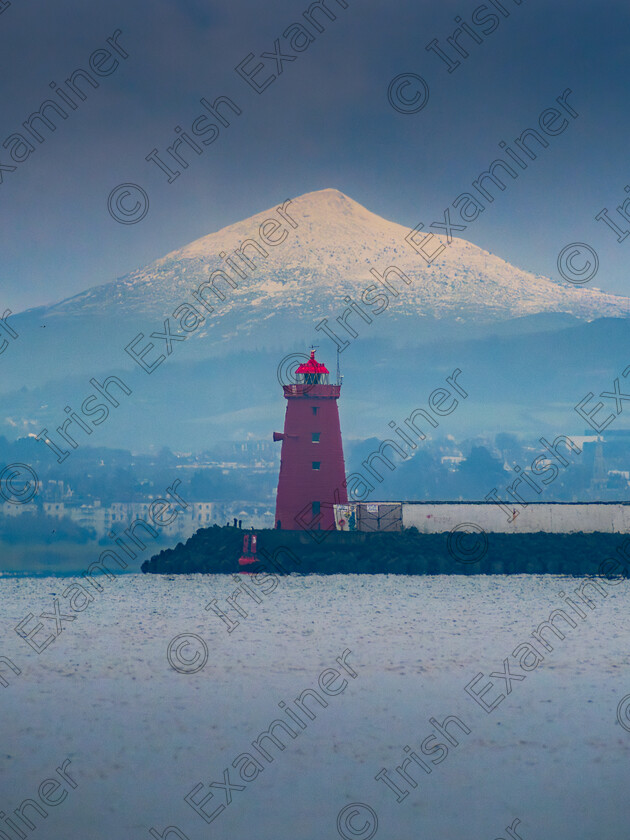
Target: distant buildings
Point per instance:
(107, 519)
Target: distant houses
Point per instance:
(105, 519)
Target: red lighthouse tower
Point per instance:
(312, 470)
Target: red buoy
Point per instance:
(249, 555)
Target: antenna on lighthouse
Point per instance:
(338, 369)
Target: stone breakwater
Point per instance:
(216, 551)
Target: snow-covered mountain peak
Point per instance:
(329, 248)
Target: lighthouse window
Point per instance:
(315, 437)
(316, 465)
(315, 507)
(314, 409)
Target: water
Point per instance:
(140, 735)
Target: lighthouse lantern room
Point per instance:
(312, 470)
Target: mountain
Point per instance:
(327, 256)
(469, 307)
(329, 248)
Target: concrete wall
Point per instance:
(559, 518)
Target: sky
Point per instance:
(324, 121)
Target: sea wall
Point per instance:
(553, 518)
(216, 550)
(440, 517)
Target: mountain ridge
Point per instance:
(334, 245)
(321, 265)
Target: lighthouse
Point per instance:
(312, 470)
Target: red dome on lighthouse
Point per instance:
(312, 366)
